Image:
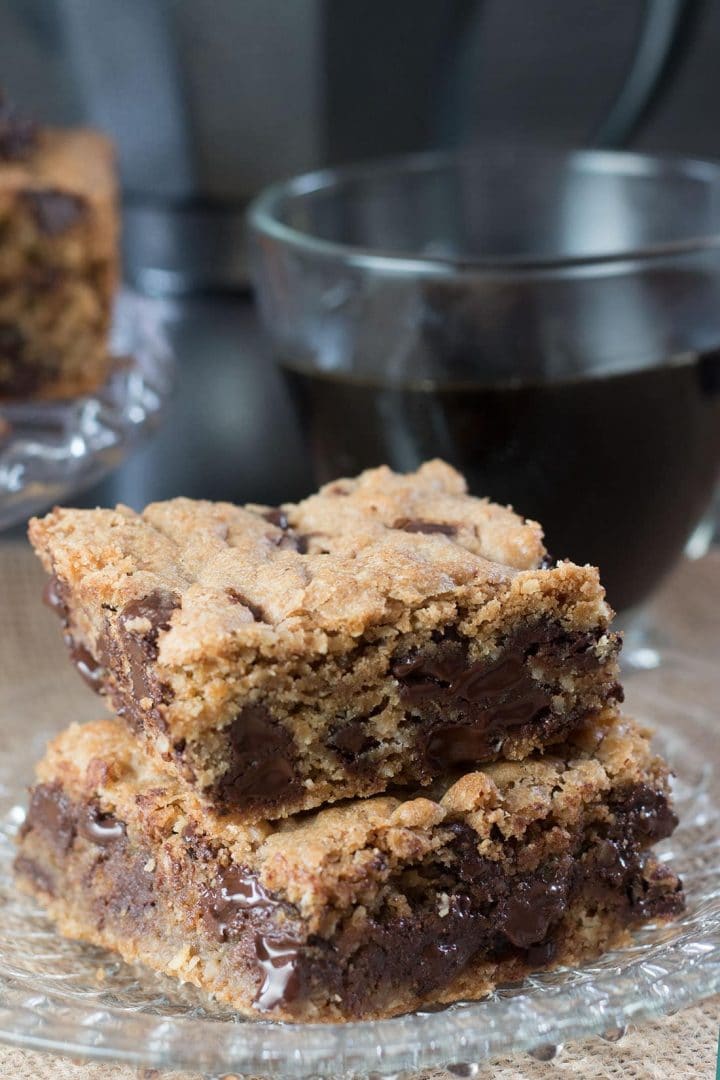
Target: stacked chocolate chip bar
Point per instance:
(367, 751)
(58, 258)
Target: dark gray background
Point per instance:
(210, 99)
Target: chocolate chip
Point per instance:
(235, 892)
(277, 956)
(237, 900)
(466, 709)
(261, 771)
(541, 955)
(101, 828)
(472, 868)
(472, 705)
(157, 608)
(90, 670)
(535, 904)
(255, 610)
(18, 136)
(417, 525)
(55, 211)
(645, 812)
(293, 541)
(351, 740)
(140, 647)
(52, 815)
(277, 517)
(290, 539)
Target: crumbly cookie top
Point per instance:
(357, 554)
(332, 857)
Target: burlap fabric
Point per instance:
(683, 1045)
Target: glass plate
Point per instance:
(55, 448)
(55, 994)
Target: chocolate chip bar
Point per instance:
(58, 258)
(367, 909)
(381, 632)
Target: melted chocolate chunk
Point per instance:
(102, 829)
(55, 211)
(18, 136)
(91, 671)
(157, 608)
(485, 699)
(55, 597)
(541, 955)
(472, 868)
(656, 894)
(466, 709)
(278, 957)
(237, 898)
(141, 647)
(535, 904)
(422, 950)
(645, 812)
(416, 525)
(52, 815)
(236, 892)
(261, 770)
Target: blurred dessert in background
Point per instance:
(58, 257)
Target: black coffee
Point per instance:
(618, 468)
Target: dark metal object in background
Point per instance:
(211, 101)
(667, 33)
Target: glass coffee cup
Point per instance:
(549, 323)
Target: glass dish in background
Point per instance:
(53, 449)
(547, 322)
